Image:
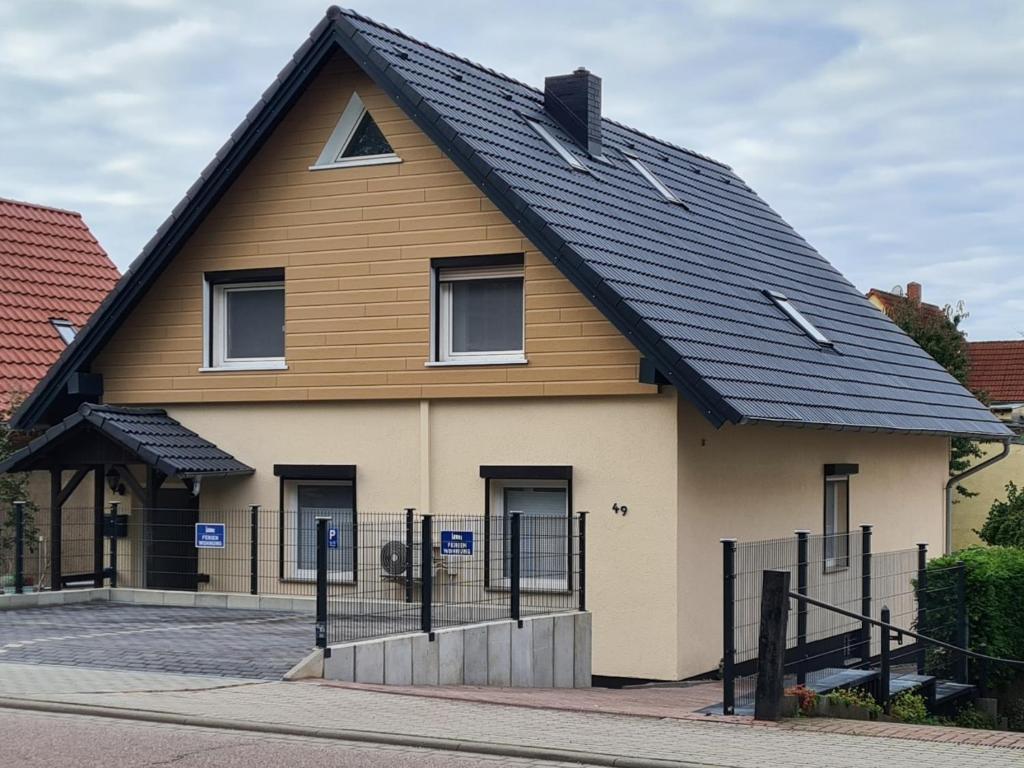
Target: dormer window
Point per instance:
(65, 328)
(356, 140)
(794, 314)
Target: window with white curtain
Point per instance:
(479, 315)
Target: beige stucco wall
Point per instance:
(427, 454)
(970, 514)
(755, 482)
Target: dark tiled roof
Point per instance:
(997, 369)
(685, 285)
(50, 267)
(148, 433)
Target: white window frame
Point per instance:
(330, 155)
(291, 532)
(216, 329)
(498, 512)
(65, 329)
(795, 315)
(835, 563)
(574, 162)
(442, 314)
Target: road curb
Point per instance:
(345, 734)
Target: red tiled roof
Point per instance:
(888, 298)
(997, 368)
(50, 267)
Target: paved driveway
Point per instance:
(151, 638)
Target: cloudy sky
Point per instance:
(888, 133)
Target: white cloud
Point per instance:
(887, 133)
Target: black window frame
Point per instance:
(311, 473)
(526, 474)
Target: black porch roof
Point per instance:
(147, 433)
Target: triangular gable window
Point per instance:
(356, 140)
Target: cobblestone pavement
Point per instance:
(734, 744)
(153, 638)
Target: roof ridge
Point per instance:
(998, 341)
(335, 10)
(40, 206)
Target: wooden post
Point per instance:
(771, 645)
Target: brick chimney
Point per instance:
(914, 292)
(574, 101)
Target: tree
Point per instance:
(13, 487)
(938, 333)
(1005, 524)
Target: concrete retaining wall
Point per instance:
(547, 652)
(306, 605)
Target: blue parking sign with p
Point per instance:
(332, 538)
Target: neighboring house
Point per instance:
(997, 371)
(412, 274)
(53, 275)
(885, 300)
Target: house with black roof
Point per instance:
(410, 275)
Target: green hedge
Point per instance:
(995, 604)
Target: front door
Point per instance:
(171, 557)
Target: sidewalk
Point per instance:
(591, 737)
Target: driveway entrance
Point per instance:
(260, 645)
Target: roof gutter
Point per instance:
(952, 482)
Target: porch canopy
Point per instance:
(105, 440)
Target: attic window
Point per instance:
(356, 140)
(794, 314)
(65, 328)
(574, 162)
(653, 180)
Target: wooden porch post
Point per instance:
(55, 529)
(99, 479)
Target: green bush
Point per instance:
(854, 697)
(909, 707)
(995, 610)
(972, 717)
(1005, 524)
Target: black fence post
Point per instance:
(321, 581)
(114, 507)
(801, 611)
(865, 590)
(514, 585)
(962, 630)
(583, 561)
(427, 575)
(409, 575)
(771, 645)
(886, 661)
(728, 626)
(19, 547)
(922, 608)
(254, 549)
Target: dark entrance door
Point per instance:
(171, 557)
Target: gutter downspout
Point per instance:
(952, 482)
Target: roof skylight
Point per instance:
(794, 314)
(653, 180)
(65, 328)
(556, 145)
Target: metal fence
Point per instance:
(841, 570)
(364, 575)
(411, 573)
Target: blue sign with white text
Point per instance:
(211, 536)
(332, 538)
(456, 542)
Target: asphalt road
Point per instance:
(30, 739)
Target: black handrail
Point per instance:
(886, 625)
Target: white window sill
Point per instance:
(236, 367)
(480, 361)
(357, 162)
